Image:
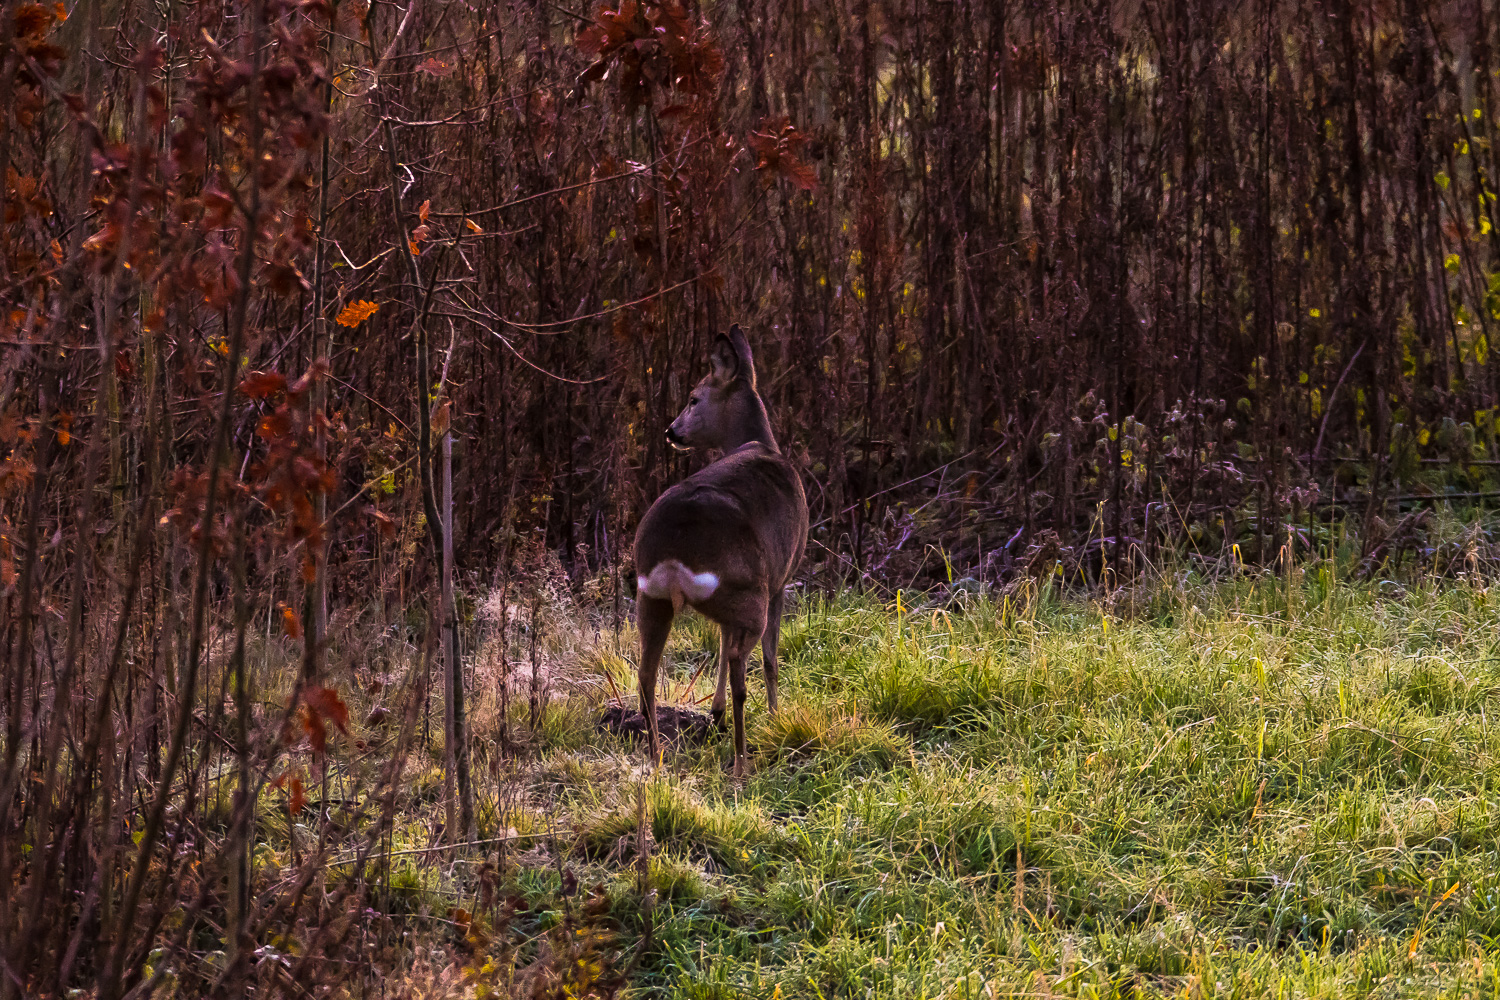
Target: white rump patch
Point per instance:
(671, 580)
(701, 586)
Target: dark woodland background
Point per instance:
(1013, 258)
(1022, 278)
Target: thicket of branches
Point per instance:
(1051, 254)
(266, 262)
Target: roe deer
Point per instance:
(725, 540)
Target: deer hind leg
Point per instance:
(740, 640)
(768, 642)
(740, 644)
(717, 708)
(654, 620)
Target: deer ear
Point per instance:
(723, 360)
(741, 348)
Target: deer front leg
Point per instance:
(739, 642)
(654, 620)
(768, 642)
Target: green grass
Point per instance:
(1215, 792)
(1186, 790)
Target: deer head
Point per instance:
(724, 411)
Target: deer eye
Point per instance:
(692, 400)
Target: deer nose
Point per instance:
(673, 438)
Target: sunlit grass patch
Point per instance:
(836, 734)
(682, 821)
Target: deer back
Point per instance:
(743, 517)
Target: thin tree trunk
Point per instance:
(455, 727)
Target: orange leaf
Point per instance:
(357, 312)
(416, 251)
(291, 623)
(299, 797)
(32, 19)
(425, 210)
(473, 226)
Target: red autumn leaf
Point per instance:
(10, 426)
(385, 523)
(299, 797)
(283, 279)
(423, 212)
(777, 145)
(259, 385)
(317, 732)
(325, 702)
(219, 209)
(595, 72)
(610, 29)
(274, 426)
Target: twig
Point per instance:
(1328, 404)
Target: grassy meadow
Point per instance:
(1260, 787)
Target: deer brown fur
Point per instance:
(726, 540)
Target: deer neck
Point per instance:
(753, 425)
